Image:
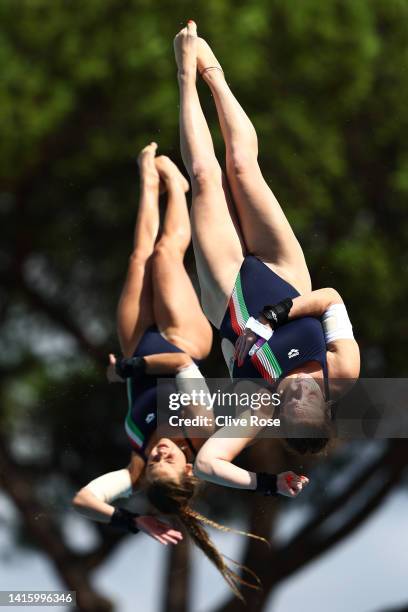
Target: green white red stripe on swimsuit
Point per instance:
(133, 432)
(266, 363)
(264, 359)
(238, 310)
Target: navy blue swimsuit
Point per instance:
(141, 418)
(291, 345)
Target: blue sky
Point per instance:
(365, 573)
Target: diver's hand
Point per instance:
(111, 373)
(243, 345)
(290, 484)
(157, 529)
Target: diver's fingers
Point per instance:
(169, 539)
(237, 347)
(173, 533)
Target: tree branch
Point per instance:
(334, 504)
(46, 534)
(58, 315)
(283, 562)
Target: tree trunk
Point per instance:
(176, 596)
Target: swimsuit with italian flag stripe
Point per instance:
(290, 346)
(141, 418)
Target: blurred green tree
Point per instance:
(85, 86)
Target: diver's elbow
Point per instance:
(79, 501)
(203, 467)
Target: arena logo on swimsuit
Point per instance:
(293, 353)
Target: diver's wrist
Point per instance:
(125, 520)
(260, 329)
(266, 483)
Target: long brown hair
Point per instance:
(173, 498)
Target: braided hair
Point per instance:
(173, 498)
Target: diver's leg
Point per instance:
(135, 308)
(177, 310)
(266, 230)
(216, 237)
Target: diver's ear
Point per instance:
(189, 469)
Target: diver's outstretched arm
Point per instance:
(214, 463)
(94, 501)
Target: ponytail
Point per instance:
(172, 498)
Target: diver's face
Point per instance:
(166, 461)
(301, 398)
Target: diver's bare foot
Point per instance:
(168, 171)
(185, 50)
(147, 168)
(207, 64)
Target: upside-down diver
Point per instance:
(163, 333)
(255, 283)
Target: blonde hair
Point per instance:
(173, 498)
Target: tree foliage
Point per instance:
(85, 86)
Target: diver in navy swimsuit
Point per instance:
(141, 418)
(163, 333)
(254, 280)
(299, 341)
